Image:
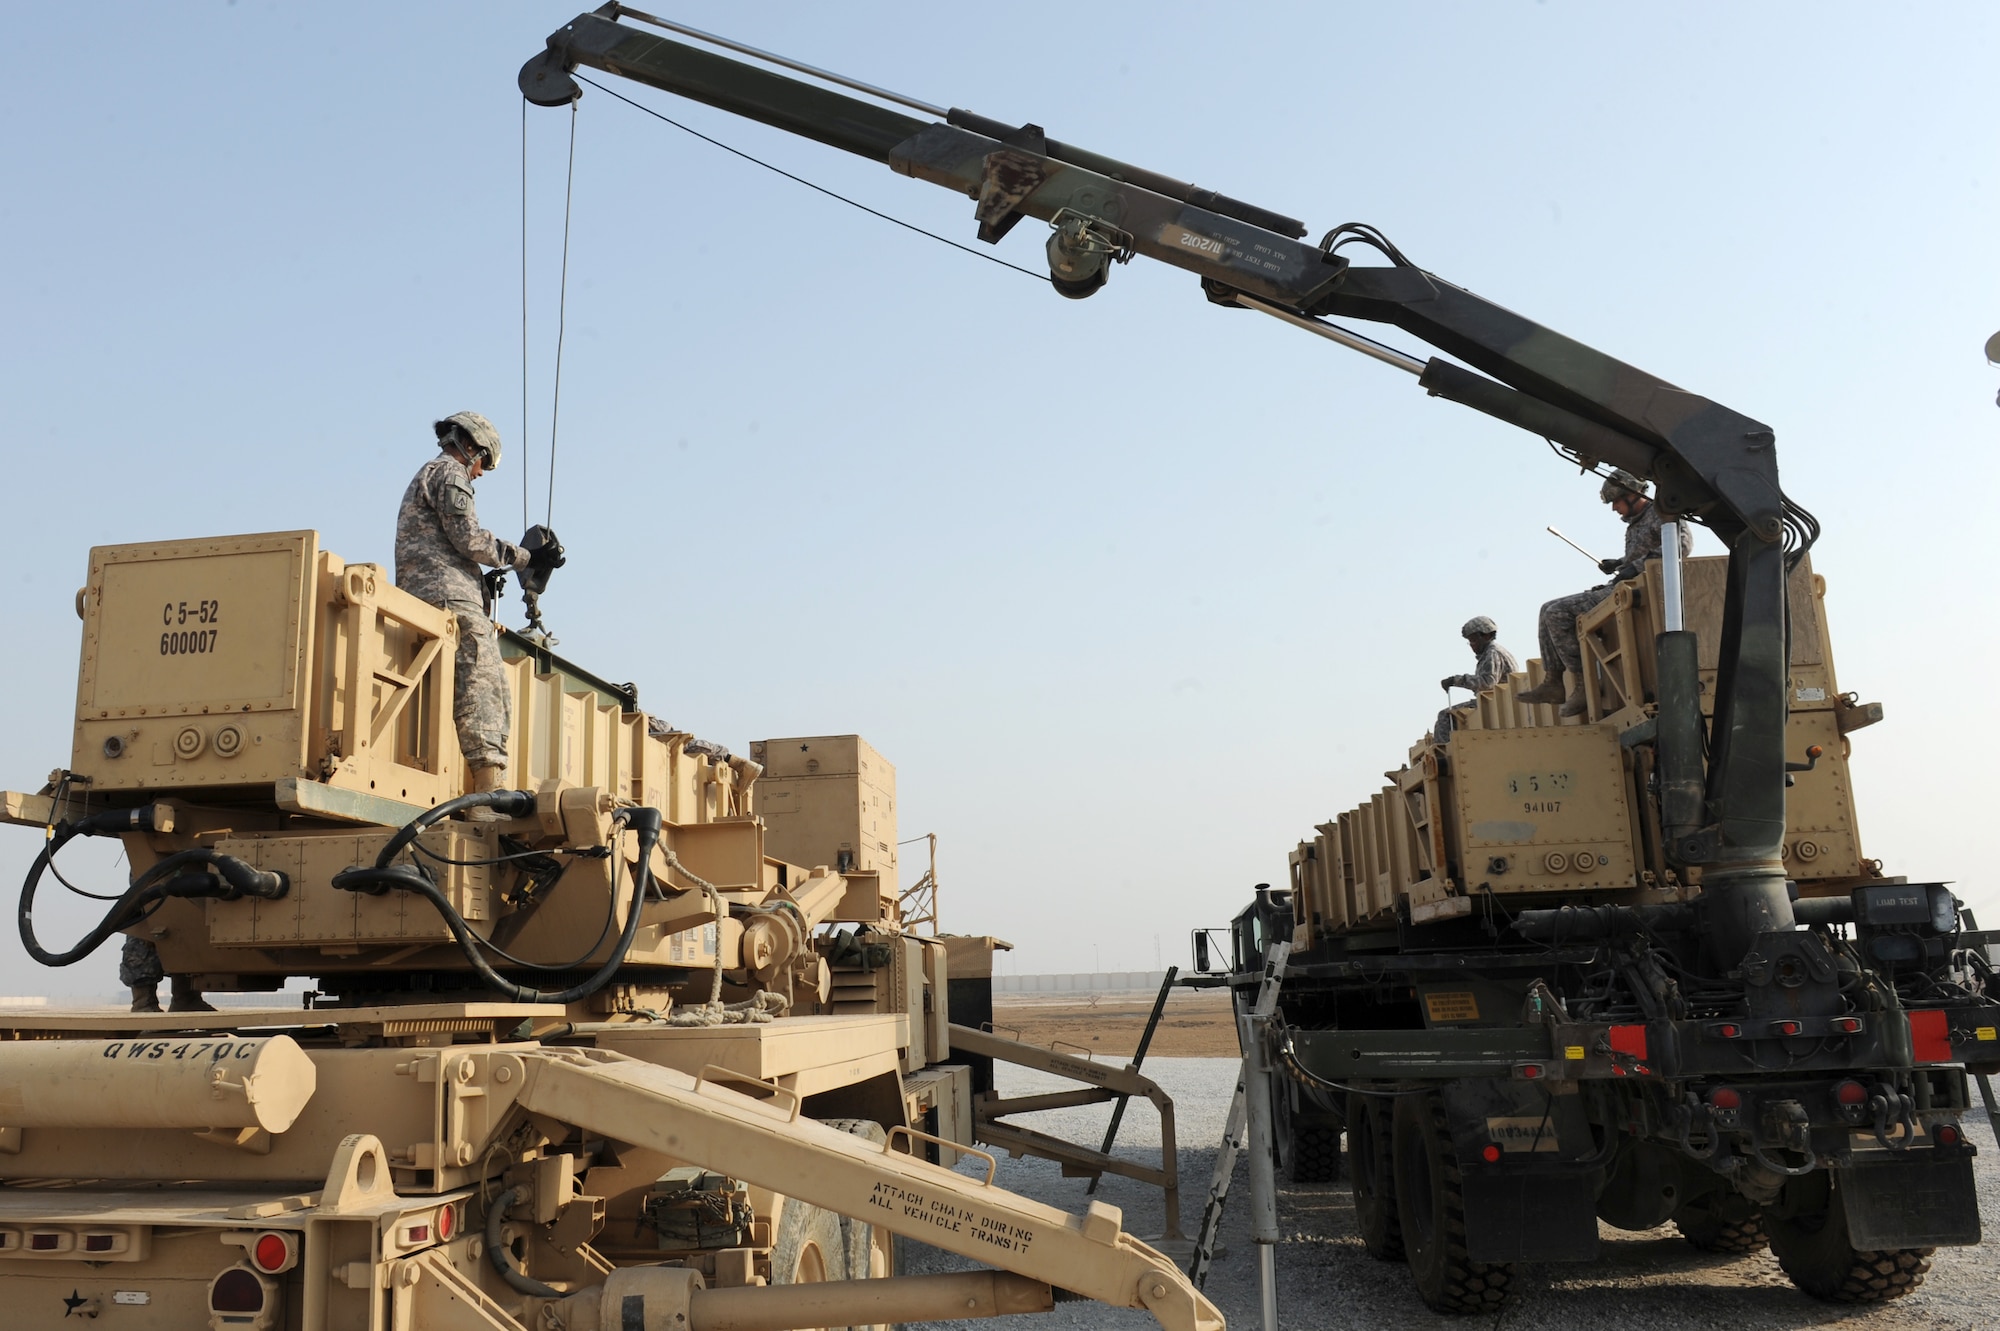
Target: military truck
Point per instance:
(643, 1046)
(1498, 988)
(1665, 987)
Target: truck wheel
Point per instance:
(1315, 1154)
(809, 1247)
(1374, 1181)
(1430, 1201)
(1817, 1255)
(868, 1251)
(1712, 1226)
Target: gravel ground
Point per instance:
(1326, 1280)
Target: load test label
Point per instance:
(1452, 1007)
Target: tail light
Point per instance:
(447, 1223)
(1726, 1099)
(1945, 1134)
(1847, 1025)
(1785, 1027)
(1490, 1154)
(236, 1291)
(273, 1252)
(1851, 1099)
(241, 1299)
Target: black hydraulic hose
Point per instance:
(382, 877)
(513, 803)
(496, 1250)
(226, 878)
(1594, 922)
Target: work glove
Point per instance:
(547, 555)
(1609, 565)
(1445, 683)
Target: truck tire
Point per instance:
(1711, 1225)
(809, 1246)
(1818, 1257)
(1374, 1182)
(1430, 1202)
(1315, 1153)
(866, 1260)
(869, 1255)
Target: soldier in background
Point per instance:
(1494, 664)
(440, 547)
(140, 971)
(1562, 655)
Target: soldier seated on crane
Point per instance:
(1494, 664)
(1562, 655)
(440, 547)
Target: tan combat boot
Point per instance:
(146, 996)
(1576, 704)
(484, 779)
(1549, 690)
(187, 998)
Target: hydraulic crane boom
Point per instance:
(1711, 464)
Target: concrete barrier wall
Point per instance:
(1100, 982)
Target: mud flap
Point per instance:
(1530, 1217)
(1910, 1204)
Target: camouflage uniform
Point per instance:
(1557, 625)
(139, 963)
(439, 548)
(1494, 664)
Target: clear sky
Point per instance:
(1133, 591)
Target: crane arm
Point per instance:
(1709, 463)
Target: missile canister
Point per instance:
(177, 1082)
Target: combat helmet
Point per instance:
(479, 432)
(1619, 484)
(1479, 624)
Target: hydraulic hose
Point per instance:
(513, 803)
(1575, 923)
(383, 877)
(227, 878)
(496, 1249)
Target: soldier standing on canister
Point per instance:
(1494, 664)
(1562, 655)
(439, 549)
